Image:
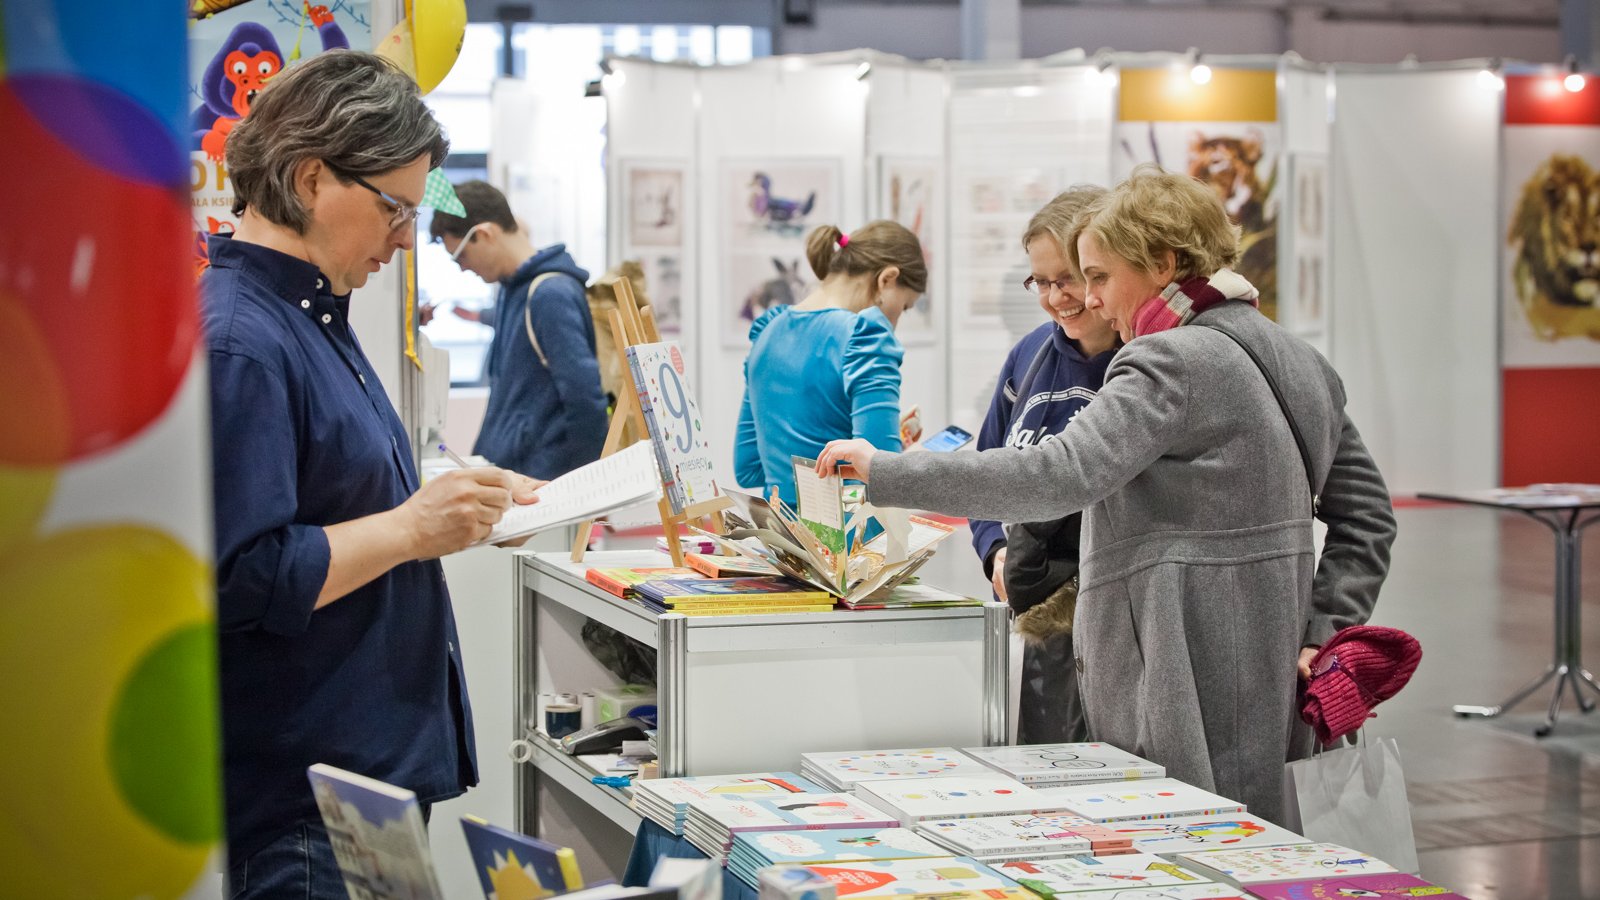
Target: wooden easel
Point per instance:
(630, 326)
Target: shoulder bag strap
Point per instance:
(527, 318)
(1294, 427)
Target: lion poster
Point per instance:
(1551, 280)
(1226, 134)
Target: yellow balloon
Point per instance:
(24, 496)
(426, 45)
(83, 612)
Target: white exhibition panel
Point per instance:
(1018, 136)
(1305, 104)
(1415, 186)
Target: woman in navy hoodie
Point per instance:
(1051, 374)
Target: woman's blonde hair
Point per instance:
(1056, 218)
(870, 249)
(1155, 211)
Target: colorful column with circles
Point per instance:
(110, 781)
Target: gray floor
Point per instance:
(1498, 813)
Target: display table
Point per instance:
(746, 693)
(1564, 514)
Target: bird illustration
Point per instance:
(777, 210)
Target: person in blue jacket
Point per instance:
(547, 412)
(829, 366)
(1049, 376)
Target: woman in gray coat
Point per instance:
(1201, 594)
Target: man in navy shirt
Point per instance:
(337, 640)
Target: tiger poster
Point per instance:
(1226, 133)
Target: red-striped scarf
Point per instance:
(1181, 302)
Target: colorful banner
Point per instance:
(111, 784)
(1224, 132)
(1550, 325)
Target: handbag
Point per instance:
(1294, 427)
(1355, 797)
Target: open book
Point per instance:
(625, 478)
(824, 555)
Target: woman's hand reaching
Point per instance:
(852, 459)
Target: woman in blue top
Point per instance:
(829, 366)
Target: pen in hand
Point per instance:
(454, 457)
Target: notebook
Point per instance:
(378, 835)
(511, 864)
(1056, 764)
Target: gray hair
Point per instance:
(357, 112)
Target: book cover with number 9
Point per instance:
(673, 420)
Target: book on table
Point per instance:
(511, 864)
(711, 824)
(843, 770)
(910, 595)
(1296, 862)
(752, 594)
(755, 850)
(622, 581)
(1074, 874)
(1234, 830)
(1153, 798)
(915, 800)
(898, 877)
(713, 566)
(1048, 765)
(1025, 836)
(377, 833)
(665, 801)
(693, 879)
(1395, 884)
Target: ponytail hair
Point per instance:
(872, 248)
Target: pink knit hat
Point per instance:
(1357, 669)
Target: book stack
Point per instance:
(843, 771)
(1073, 874)
(996, 838)
(731, 596)
(1155, 798)
(910, 596)
(1391, 885)
(1298, 862)
(1160, 836)
(1054, 765)
(753, 851)
(665, 801)
(916, 800)
(711, 824)
(944, 876)
(621, 582)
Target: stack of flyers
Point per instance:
(1392, 885)
(843, 771)
(1163, 836)
(1299, 862)
(899, 877)
(1049, 765)
(755, 850)
(994, 838)
(1071, 874)
(954, 797)
(665, 801)
(711, 824)
(1156, 798)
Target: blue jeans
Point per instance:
(298, 865)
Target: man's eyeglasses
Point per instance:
(466, 239)
(1043, 285)
(404, 213)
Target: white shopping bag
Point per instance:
(1355, 797)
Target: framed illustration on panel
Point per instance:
(768, 207)
(908, 193)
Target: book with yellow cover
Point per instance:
(757, 610)
(621, 581)
(674, 592)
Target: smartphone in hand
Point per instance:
(951, 438)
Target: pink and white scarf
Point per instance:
(1180, 303)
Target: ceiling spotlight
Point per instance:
(863, 70)
(1574, 81)
(1489, 78)
(1200, 74)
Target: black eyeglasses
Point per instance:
(1043, 285)
(404, 213)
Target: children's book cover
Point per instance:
(377, 833)
(895, 877)
(1071, 874)
(1207, 891)
(1155, 798)
(994, 835)
(772, 847)
(793, 811)
(728, 566)
(954, 797)
(513, 866)
(1299, 862)
(1205, 833)
(1396, 885)
(680, 792)
(673, 419)
(872, 765)
(1066, 763)
(621, 582)
(672, 591)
